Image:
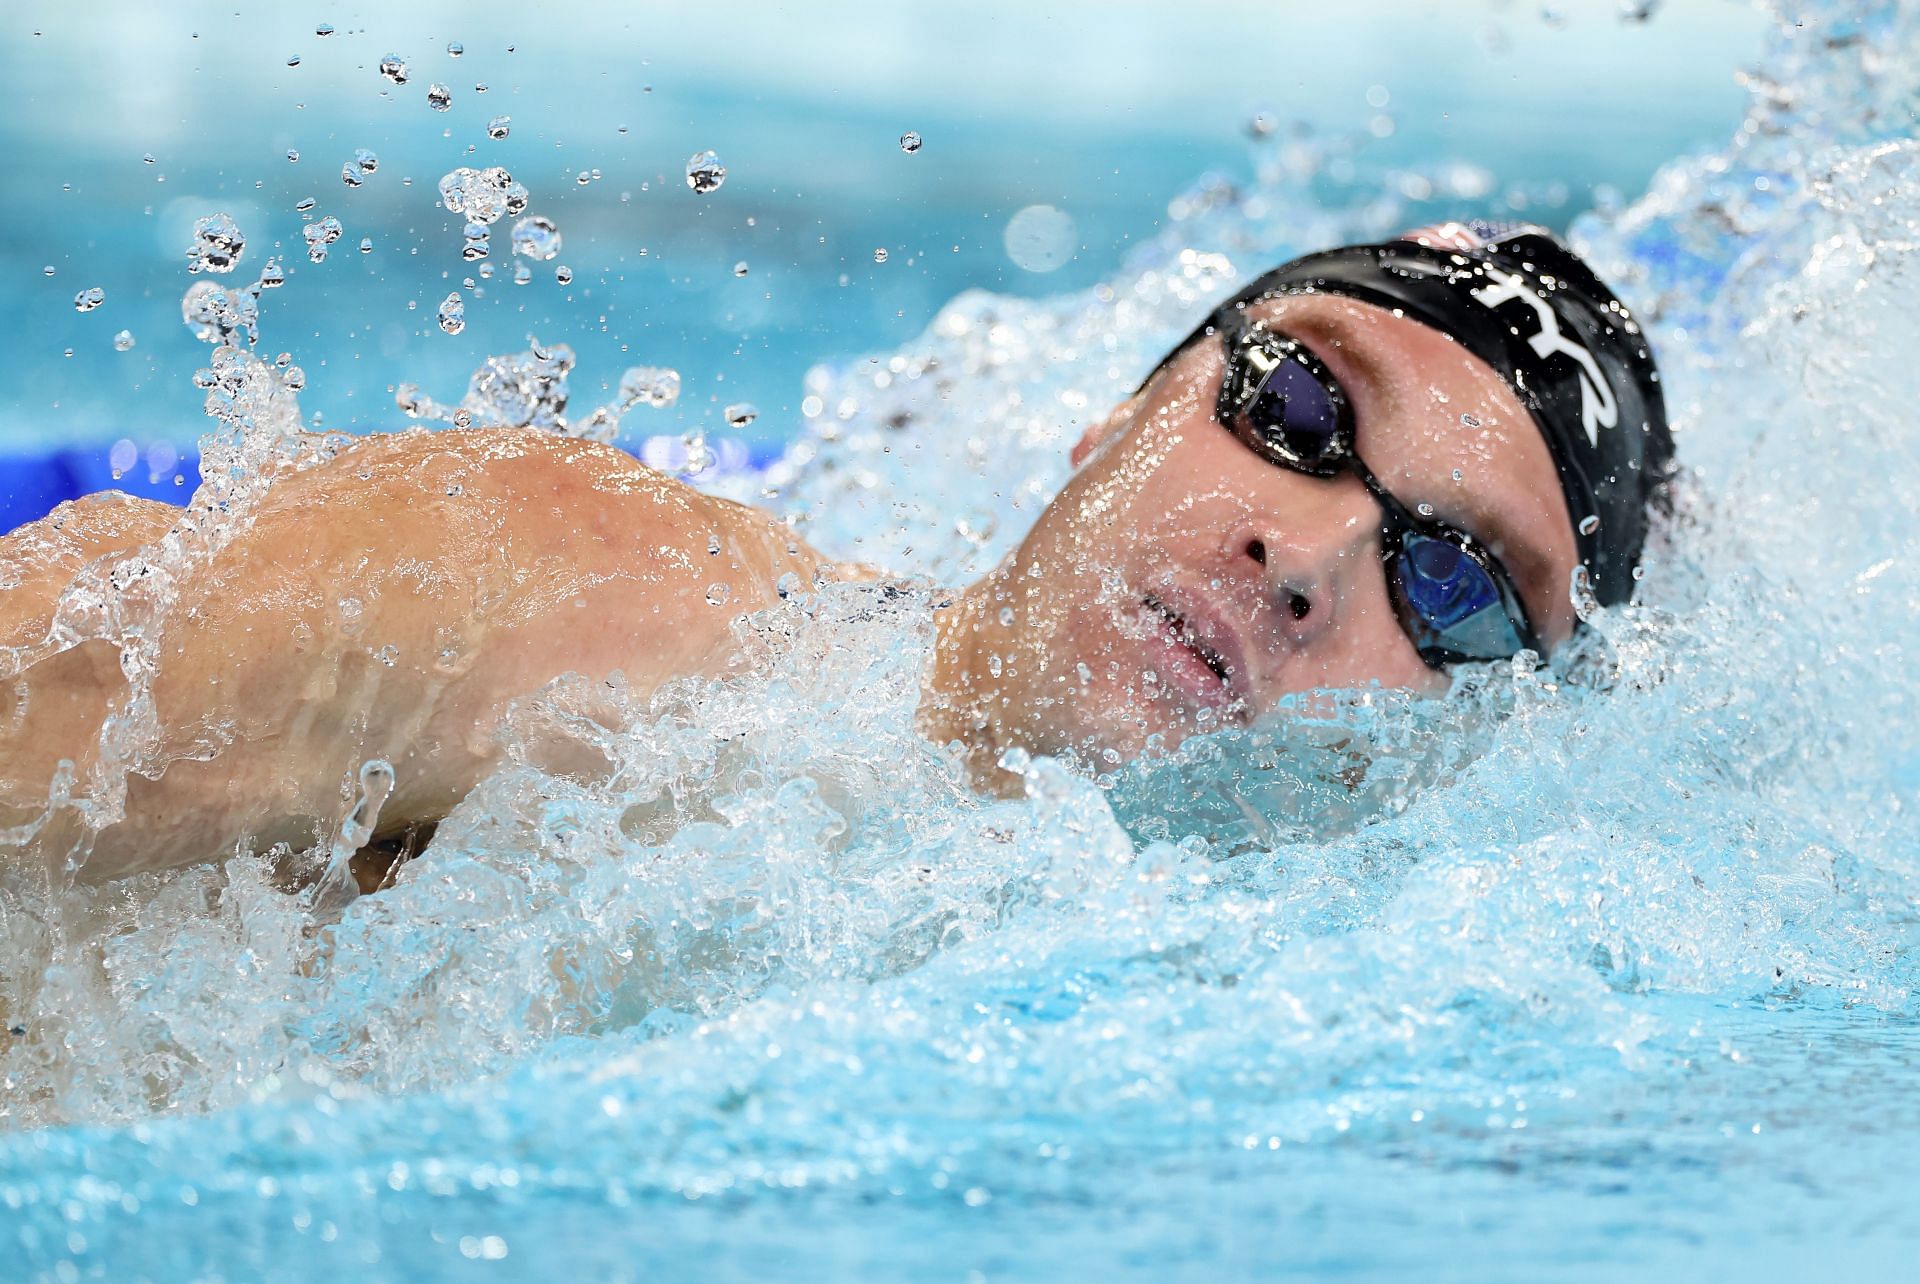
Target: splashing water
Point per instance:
(1624, 946)
(705, 173)
(452, 314)
(217, 244)
(536, 237)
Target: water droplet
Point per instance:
(478, 243)
(304, 204)
(217, 244)
(272, 276)
(910, 141)
(705, 173)
(1006, 617)
(47, 270)
(483, 195)
(741, 413)
(89, 299)
(1425, 510)
(1458, 475)
(499, 126)
(293, 378)
(1469, 421)
(453, 313)
(324, 30)
(740, 268)
(394, 68)
(350, 175)
(480, 88)
(147, 158)
(366, 245)
(294, 61)
(563, 274)
(649, 385)
(293, 155)
(522, 274)
(455, 49)
(535, 237)
(1261, 124)
(1589, 524)
(718, 594)
(880, 255)
(123, 342)
(319, 235)
(439, 97)
(365, 161)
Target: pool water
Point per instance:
(1602, 970)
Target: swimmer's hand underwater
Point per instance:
(388, 603)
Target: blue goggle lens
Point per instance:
(1449, 603)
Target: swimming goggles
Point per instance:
(1451, 594)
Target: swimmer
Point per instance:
(1371, 465)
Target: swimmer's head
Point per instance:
(1370, 465)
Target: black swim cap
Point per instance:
(1524, 303)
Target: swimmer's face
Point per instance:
(1180, 582)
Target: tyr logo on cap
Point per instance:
(1598, 409)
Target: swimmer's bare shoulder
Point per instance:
(388, 603)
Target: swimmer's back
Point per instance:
(387, 603)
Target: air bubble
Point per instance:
(910, 141)
(478, 242)
(123, 342)
(1589, 524)
(1469, 421)
(89, 299)
(1425, 510)
(522, 274)
(217, 244)
(394, 68)
(324, 30)
(740, 268)
(880, 255)
(705, 173)
(718, 594)
(366, 245)
(304, 204)
(535, 237)
(294, 61)
(741, 413)
(350, 175)
(365, 161)
(563, 274)
(455, 49)
(453, 313)
(439, 97)
(499, 127)
(272, 275)
(293, 155)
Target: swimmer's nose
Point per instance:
(1313, 573)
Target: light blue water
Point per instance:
(1604, 971)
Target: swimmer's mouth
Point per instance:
(1183, 635)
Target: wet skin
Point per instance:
(1178, 581)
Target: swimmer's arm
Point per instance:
(391, 602)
